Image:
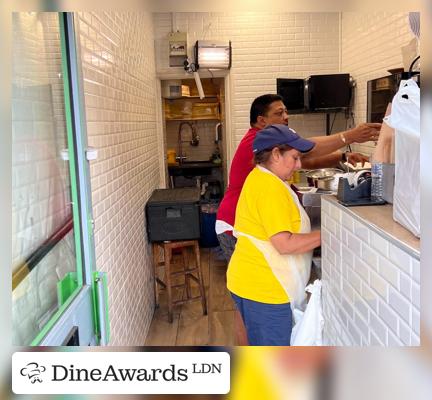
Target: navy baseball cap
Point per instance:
(275, 135)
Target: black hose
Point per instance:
(412, 64)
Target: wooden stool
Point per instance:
(187, 272)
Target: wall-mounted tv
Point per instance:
(292, 92)
(328, 92)
(317, 93)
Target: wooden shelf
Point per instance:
(193, 119)
(213, 96)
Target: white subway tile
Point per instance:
(347, 222)
(415, 292)
(415, 265)
(405, 285)
(362, 326)
(361, 306)
(400, 258)
(415, 340)
(348, 291)
(415, 321)
(362, 269)
(369, 296)
(347, 306)
(374, 341)
(389, 272)
(388, 316)
(378, 284)
(361, 231)
(379, 243)
(336, 244)
(393, 340)
(369, 256)
(399, 304)
(354, 243)
(347, 256)
(330, 224)
(378, 327)
(404, 333)
(336, 214)
(354, 333)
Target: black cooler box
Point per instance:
(173, 214)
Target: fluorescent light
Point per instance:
(213, 54)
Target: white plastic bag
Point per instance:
(405, 119)
(309, 324)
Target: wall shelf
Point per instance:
(192, 97)
(194, 119)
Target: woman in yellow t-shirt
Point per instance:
(270, 266)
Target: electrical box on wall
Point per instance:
(177, 42)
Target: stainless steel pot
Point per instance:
(323, 178)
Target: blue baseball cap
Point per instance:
(275, 135)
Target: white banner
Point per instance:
(120, 372)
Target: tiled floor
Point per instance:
(190, 327)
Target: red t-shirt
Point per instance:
(241, 165)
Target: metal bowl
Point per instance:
(323, 173)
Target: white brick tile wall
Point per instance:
(371, 44)
(415, 268)
(368, 297)
(265, 46)
(206, 132)
(405, 285)
(400, 258)
(117, 52)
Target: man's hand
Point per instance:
(364, 132)
(354, 158)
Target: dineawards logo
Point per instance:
(121, 372)
(60, 373)
(33, 371)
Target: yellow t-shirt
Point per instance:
(265, 207)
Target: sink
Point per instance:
(195, 164)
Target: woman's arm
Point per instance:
(295, 243)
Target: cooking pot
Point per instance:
(324, 178)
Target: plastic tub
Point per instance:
(208, 236)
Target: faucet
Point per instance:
(217, 136)
(193, 142)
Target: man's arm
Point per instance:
(333, 159)
(327, 144)
(327, 161)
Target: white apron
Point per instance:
(291, 270)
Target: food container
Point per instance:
(324, 178)
(173, 214)
(171, 157)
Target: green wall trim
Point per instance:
(71, 149)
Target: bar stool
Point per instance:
(187, 272)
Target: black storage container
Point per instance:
(173, 214)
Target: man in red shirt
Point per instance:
(266, 110)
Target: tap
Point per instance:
(193, 142)
(217, 136)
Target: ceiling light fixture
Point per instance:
(213, 54)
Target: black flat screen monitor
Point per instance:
(329, 92)
(292, 92)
